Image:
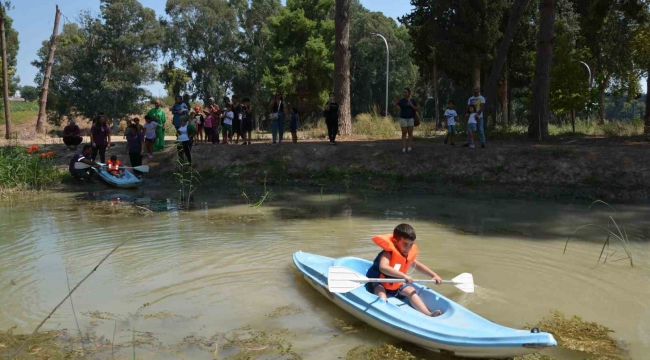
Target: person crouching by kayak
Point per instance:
(113, 166)
(397, 255)
(83, 157)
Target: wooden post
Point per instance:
(5, 76)
(435, 93)
(40, 120)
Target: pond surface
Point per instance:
(223, 270)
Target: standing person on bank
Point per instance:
(136, 144)
(100, 138)
(277, 117)
(237, 119)
(408, 107)
(332, 118)
(179, 109)
(247, 123)
(184, 146)
(479, 103)
(157, 114)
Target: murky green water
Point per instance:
(225, 265)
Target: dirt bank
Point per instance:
(603, 168)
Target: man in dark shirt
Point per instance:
(332, 118)
(82, 157)
(72, 136)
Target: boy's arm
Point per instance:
(386, 269)
(426, 271)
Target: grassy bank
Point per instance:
(21, 112)
(29, 168)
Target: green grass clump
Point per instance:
(24, 170)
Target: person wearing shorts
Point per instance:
(247, 123)
(408, 107)
(451, 116)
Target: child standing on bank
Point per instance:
(208, 123)
(472, 118)
(150, 127)
(398, 254)
(451, 116)
(247, 124)
(294, 124)
(227, 124)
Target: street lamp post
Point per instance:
(387, 68)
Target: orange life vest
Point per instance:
(113, 168)
(397, 261)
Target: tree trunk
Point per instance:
(646, 122)
(510, 118)
(517, 10)
(342, 65)
(601, 101)
(573, 120)
(503, 97)
(435, 93)
(5, 72)
(477, 78)
(42, 117)
(538, 121)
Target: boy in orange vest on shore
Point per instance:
(393, 262)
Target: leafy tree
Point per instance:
(569, 78)
(12, 43)
(254, 44)
(29, 93)
(641, 57)
(203, 35)
(102, 63)
(302, 48)
(368, 59)
(175, 79)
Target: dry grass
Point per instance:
(577, 334)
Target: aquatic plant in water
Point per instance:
(620, 235)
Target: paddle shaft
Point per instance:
(417, 281)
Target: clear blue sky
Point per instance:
(34, 20)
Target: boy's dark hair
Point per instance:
(86, 147)
(147, 117)
(113, 158)
(295, 109)
(225, 98)
(332, 93)
(408, 90)
(235, 97)
(451, 102)
(471, 107)
(404, 231)
(133, 126)
(136, 119)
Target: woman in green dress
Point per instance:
(158, 114)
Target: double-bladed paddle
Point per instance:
(81, 165)
(341, 279)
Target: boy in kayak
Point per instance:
(398, 255)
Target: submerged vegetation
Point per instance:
(30, 168)
(612, 230)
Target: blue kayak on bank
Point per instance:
(125, 182)
(457, 331)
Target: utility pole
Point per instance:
(387, 67)
(5, 77)
(40, 120)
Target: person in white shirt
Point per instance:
(479, 104)
(451, 116)
(472, 117)
(184, 140)
(227, 124)
(149, 134)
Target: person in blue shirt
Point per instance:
(178, 110)
(408, 107)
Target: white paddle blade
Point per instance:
(142, 168)
(341, 279)
(80, 165)
(464, 282)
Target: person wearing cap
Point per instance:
(158, 115)
(72, 135)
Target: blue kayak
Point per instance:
(457, 331)
(127, 181)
